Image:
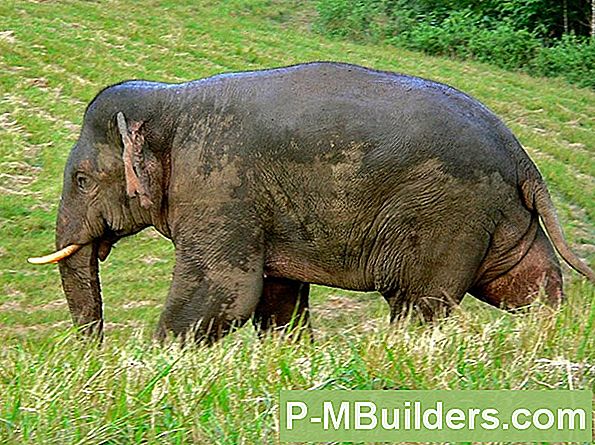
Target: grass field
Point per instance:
(55, 56)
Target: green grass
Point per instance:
(55, 56)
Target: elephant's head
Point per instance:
(114, 186)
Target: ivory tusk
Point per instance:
(56, 256)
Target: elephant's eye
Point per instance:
(83, 182)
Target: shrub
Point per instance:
(463, 30)
(571, 58)
(504, 46)
(450, 37)
(349, 18)
(464, 34)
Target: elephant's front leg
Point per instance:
(217, 283)
(283, 305)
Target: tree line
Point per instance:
(543, 37)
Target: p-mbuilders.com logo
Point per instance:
(436, 415)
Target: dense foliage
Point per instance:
(543, 37)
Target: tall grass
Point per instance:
(132, 391)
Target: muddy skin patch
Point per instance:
(538, 270)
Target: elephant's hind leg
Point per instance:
(433, 279)
(283, 306)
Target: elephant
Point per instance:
(324, 173)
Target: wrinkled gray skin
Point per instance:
(318, 173)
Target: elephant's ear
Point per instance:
(137, 179)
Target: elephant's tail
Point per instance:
(537, 198)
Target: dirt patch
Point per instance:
(11, 306)
(151, 233)
(56, 304)
(9, 124)
(337, 305)
(150, 260)
(373, 325)
(112, 326)
(17, 176)
(22, 103)
(40, 83)
(15, 305)
(13, 293)
(8, 36)
(22, 330)
(17, 184)
(136, 304)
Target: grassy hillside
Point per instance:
(55, 56)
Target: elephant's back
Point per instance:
(327, 112)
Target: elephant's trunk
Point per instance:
(77, 254)
(80, 281)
